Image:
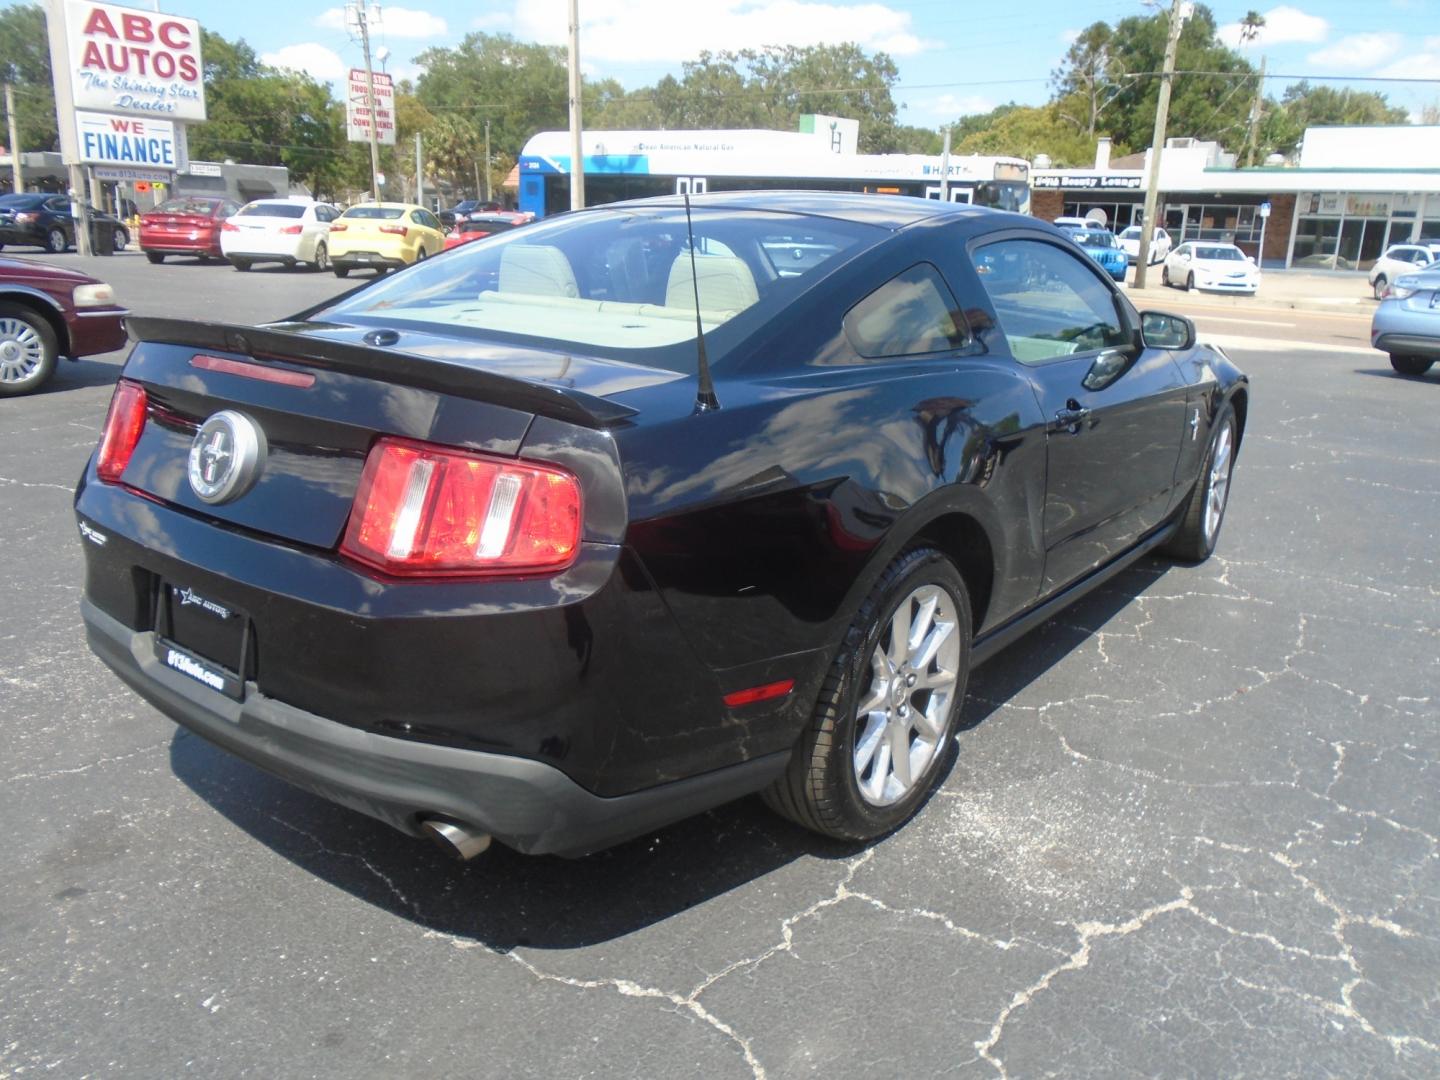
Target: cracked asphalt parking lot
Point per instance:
(1191, 830)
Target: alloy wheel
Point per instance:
(21, 350)
(322, 258)
(55, 242)
(1217, 484)
(901, 718)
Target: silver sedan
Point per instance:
(1407, 323)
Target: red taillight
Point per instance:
(227, 227)
(292, 230)
(338, 226)
(123, 425)
(426, 510)
(398, 230)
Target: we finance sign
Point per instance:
(125, 140)
(137, 62)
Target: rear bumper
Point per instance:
(173, 244)
(366, 258)
(1408, 344)
(525, 804)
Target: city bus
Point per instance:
(638, 164)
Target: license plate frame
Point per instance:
(203, 638)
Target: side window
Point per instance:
(59, 204)
(417, 216)
(911, 314)
(434, 222)
(1049, 303)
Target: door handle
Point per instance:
(1071, 416)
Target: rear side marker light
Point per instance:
(338, 227)
(760, 693)
(424, 510)
(246, 370)
(124, 424)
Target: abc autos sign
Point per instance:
(123, 60)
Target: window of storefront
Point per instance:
(1118, 215)
(1229, 223)
(1345, 231)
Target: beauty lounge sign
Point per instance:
(140, 63)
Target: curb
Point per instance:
(1338, 305)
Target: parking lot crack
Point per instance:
(369, 866)
(78, 769)
(68, 489)
(1089, 932)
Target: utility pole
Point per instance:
(945, 169)
(17, 182)
(419, 171)
(1157, 142)
(577, 159)
(476, 166)
(1255, 117)
(362, 22)
(487, 160)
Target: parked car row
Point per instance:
(34, 219)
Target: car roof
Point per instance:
(386, 206)
(887, 211)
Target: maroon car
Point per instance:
(187, 225)
(46, 313)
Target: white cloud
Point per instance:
(1420, 65)
(627, 31)
(1069, 37)
(395, 22)
(1283, 25)
(317, 61)
(950, 107)
(1358, 51)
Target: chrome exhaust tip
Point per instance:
(458, 840)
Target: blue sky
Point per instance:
(951, 61)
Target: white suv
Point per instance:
(1160, 244)
(1401, 259)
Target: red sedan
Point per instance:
(478, 225)
(47, 312)
(188, 225)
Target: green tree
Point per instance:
(1023, 131)
(25, 62)
(453, 144)
(1303, 105)
(1088, 78)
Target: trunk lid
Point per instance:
(341, 392)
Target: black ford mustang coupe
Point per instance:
(592, 525)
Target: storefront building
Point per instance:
(1326, 212)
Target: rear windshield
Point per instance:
(203, 207)
(617, 283)
(486, 225)
(1094, 238)
(384, 213)
(1132, 233)
(261, 209)
(1224, 254)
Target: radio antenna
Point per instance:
(705, 398)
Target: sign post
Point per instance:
(1264, 220)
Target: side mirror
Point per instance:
(1160, 330)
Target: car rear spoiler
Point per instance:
(265, 343)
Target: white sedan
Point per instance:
(1160, 244)
(1218, 267)
(289, 231)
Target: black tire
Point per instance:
(241, 264)
(1193, 541)
(1380, 286)
(122, 239)
(20, 327)
(340, 271)
(155, 257)
(1190, 283)
(321, 262)
(1165, 276)
(1411, 365)
(55, 242)
(420, 255)
(820, 789)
